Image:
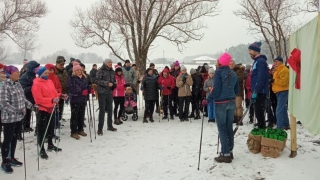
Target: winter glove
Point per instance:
(35, 108)
(169, 87)
(253, 97)
(204, 102)
(64, 96)
(55, 100)
(85, 92)
(22, 112)
(138, 82)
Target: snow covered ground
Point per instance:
(165, 150)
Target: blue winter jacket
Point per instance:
(26, 80)
(225, 86)
(75, 87)
(260, 75)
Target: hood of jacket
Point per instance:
(31, 66)
(49, 66)
(153, 76)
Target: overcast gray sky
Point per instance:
(223, 31)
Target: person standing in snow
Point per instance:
(208, 88)
(168, 83)
(13, 105)
(280, 86)
(248, 92)
(3, 77)
(150, 88)
(156, 73)
(105, 81)
(259, 82)
(70, 65)
(93, 74)
(226, 87)
(196, 92)
(26, 81)
(46, 97)
(184, 82)
(63, 78)
(139, 78)
(175, 73)
(118, 95)
(79, 90)
(24, 67)
(129, 73)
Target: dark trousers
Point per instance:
(251, 110)
(61, 107)
(105, 106)
(118, 102)
(175, 100)
(77, 117)
(148, 111)
(184, 102)
(196, 97)
(272, 118)
(259, 108)
(167, 101)
(11, 132)
(44, 118)
(27, 118)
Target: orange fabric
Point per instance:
(54, 78)
(43, 92)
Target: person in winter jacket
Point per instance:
(156, 73)
(88, 77)
(280, 86)
(13, 105)
(75, 62)
(79, 90)
(272, 106)
(118, 95)
(204, 72)
(226, 87)
(150, 88)
(248, 97)
(93, 74)
(46, 97)
(62, 74)
(3, 77)
(106, 82)
(167, 82)
(53, 77)
(175, 73)
(129, 73)
(24, 67)
(26, 81)
(196, 92)
(259, 82)
(240, 71)
(139, 78)
(183, 83)
(208, 87)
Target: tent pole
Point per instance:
(293, 136)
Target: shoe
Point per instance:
(75, 135)
(84, 125)
(186, 119)
(82, 133)
(100, 133)
(43, 155)
(121, 122)
(240, 124)
(171, 117)
(15, 162)
(181, 120)
(116, 122)
(286, 128)
(191, 116)
(53, 148)
(151, 120)
(299, 122)
(223, 159)
(210, 120)
(164, 117)
(177, 114)
(28, 129)
(7, 168)
(20, 137)
(197, 117)
(111, 129)
(231, 156)
(55, 137)
(270, 125)
(145, 120)
(213, 120)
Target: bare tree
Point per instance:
(3, 53)
(20, 17)
(311, 6)
(28, 44)
(131, 26)
(272, 19)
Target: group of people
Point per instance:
(217, 93)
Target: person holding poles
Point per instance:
(47, 98)
(13, 105)
(168, 83)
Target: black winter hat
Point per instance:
(279, 58)
(127, 61)
(119, 64)
(151, 64)
(118, 69)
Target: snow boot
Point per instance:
(231, 156)
(191, 115)
(53, 148)
(151, 120)
(197, 117)
(6, 167)
(171, 117)
(116, 121)
(100, 133)
(181, 120)
(82, 133)
(43, 155)
(165, 117)
(75, 135)
(15, 162)
(84, 125)
(223, 159)
(111, 129)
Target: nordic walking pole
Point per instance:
(218, 144)
(168, 106)
(24, 155)
(58, 112)
(44, 137)
(94, 119)
(244, 114)
(55, 128)
(200, 143)
(89, 122)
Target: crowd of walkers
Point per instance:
(217, 92)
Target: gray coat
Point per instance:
(105, 76)
(207, 83)
(129, 75)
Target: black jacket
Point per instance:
(150, 87)
(93, 74)
(105, 76)
(26, 80)
(197, 83)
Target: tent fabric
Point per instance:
(304, 103)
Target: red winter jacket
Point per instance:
(119, 91)
(247, 87)
(166, 82)
(43, 92)
(54, 78)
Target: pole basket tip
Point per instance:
(293, 154)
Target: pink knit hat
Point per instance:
(76, 67)
(225, 59)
